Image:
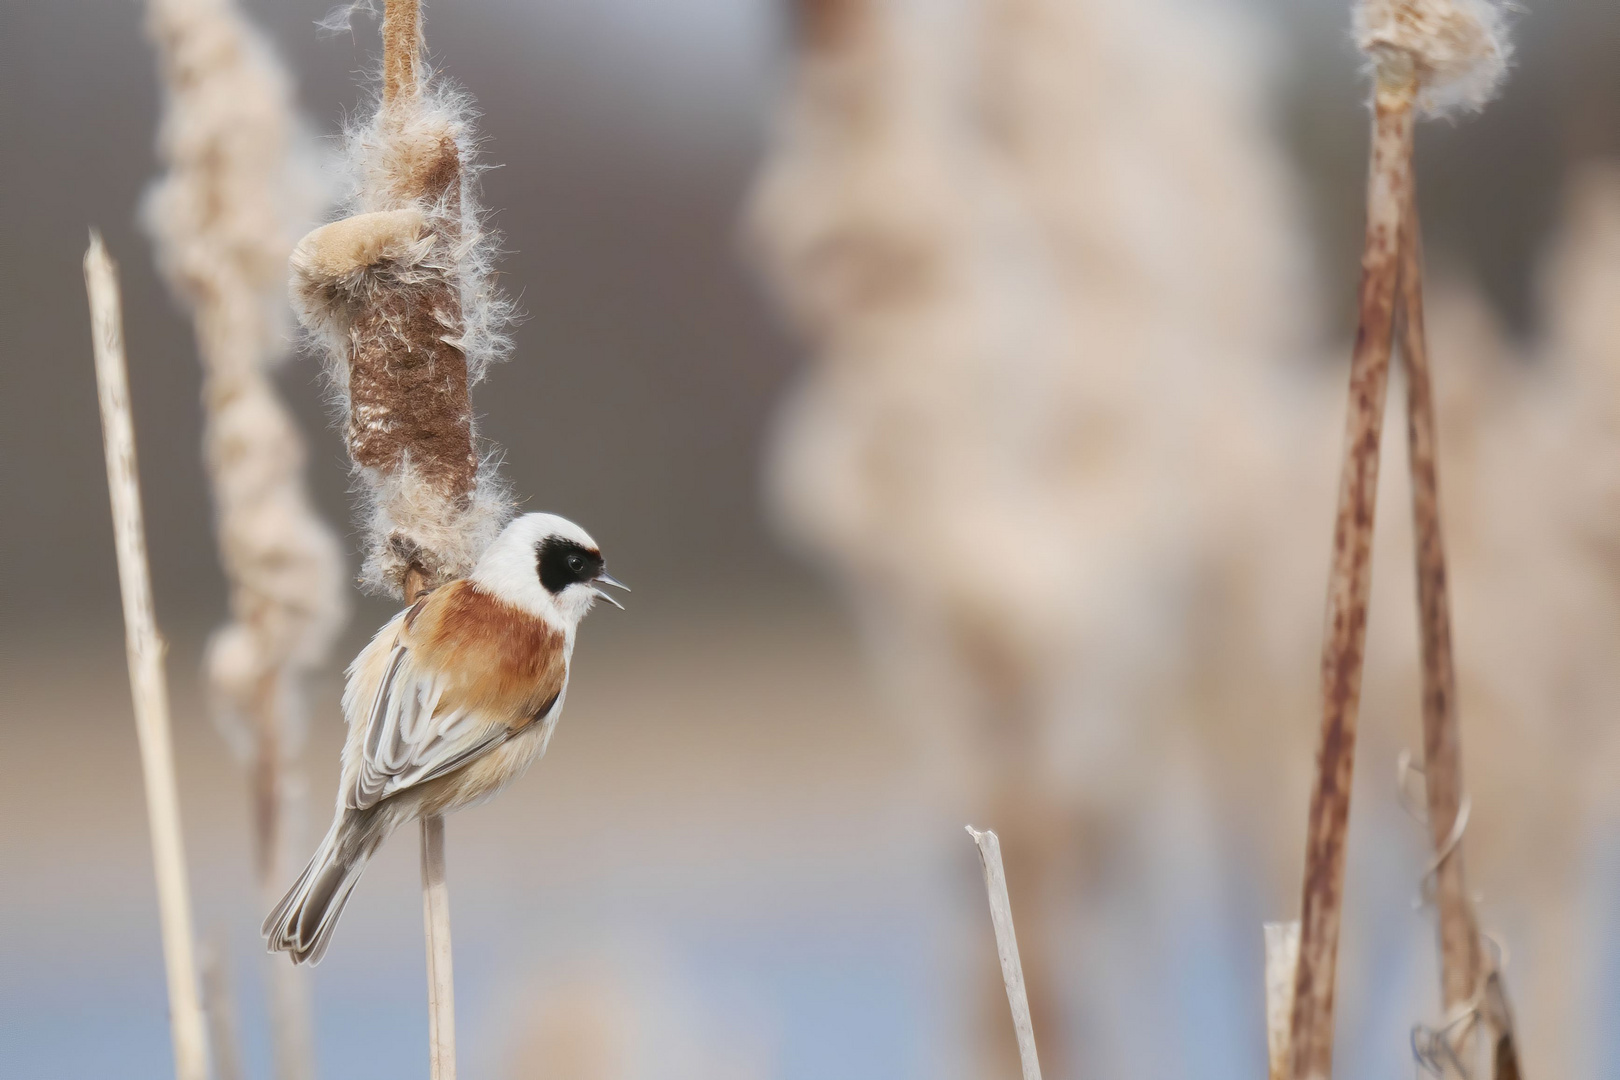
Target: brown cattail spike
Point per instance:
(398, 292)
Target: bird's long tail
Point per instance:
(302, 924)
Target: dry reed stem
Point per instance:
(219, 1006)
(1461, 960)
(436, 922)
(1344, 647)
(145, 650)
(1442, 738)
(1012, 971)
(1282, 960)
(1043, 838)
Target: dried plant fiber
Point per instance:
(1457, 50)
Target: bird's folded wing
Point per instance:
(410, 739)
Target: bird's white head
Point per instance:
(547, 566)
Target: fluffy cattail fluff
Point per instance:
(1456, 49)
(867, 236)
(239, 187)
(399, 295)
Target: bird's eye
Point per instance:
(576, 563)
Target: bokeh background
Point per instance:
(743, 855)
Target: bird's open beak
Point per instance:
(608, 579)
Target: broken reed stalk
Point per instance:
(1012, 971)
(145, 652)
(1388, 186)
(1282, 960)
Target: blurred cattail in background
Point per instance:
(1046, 277)
(616, 1017)
(238, 191)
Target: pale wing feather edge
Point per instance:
(406, 744)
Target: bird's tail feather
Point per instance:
(302, 924)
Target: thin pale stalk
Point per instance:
(441, 985)
(1042, 839)
(219, 1005)
(1282, 960)
(294, 1045)
(290, 1011)
(1344, 645)
(288, 985)
(145, 651)
(1442, 736)
(1012, 970)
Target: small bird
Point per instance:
(453, 699)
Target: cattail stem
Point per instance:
(1388, 187)
(1442, 738)
(1464, 983)
(402, 49)
(145, 650)
(436, 930)
(219, 1006)
(1012, 970)
(436, 920)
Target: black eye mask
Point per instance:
(553, 559)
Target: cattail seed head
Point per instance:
(1455, 51)
(399, 297)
